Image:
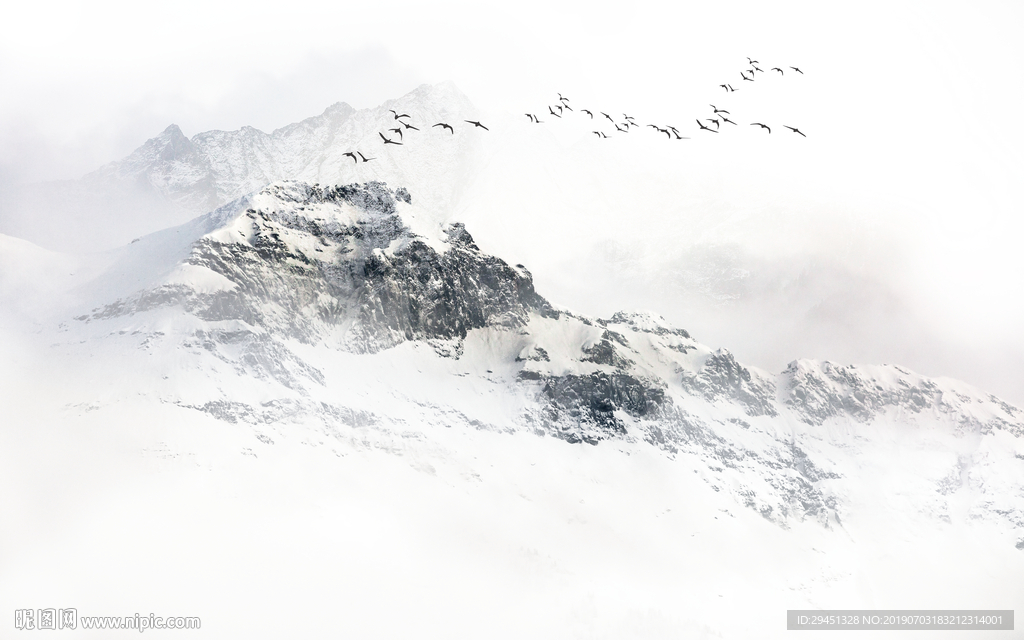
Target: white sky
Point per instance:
(913, 110)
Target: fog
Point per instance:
(891, 234)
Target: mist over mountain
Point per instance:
(251, 372)
(629, 222)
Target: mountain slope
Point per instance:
(273, 284)
(327, 402)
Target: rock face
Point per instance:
(263, 285)
(316, 263)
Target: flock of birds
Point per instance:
(399, 131)
(719, 117)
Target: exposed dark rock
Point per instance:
(414, 293)
(723, 378)
(582, 408)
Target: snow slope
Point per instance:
(325, 408)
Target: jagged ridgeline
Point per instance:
(339, 264)
(360, 268)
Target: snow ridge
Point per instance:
(275, 283)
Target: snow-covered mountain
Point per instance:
(324, 397)
(276, 290)
(172, 178)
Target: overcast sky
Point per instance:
(913, 108)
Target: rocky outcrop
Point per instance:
(305, 277)
(721, 378)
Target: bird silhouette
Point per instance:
(552, 111)
(666, 132)
(717, 110)
(743, 74)
(529, 116)
(653, 126)
(387, 140)
(536, 119)
(626, 130)
(398, 115)
(607, 116)
(756, 68)
(763, 126)
(724, 119)
(588, 112)
(477, 124)
(562, 99)
(797, 70)
(365, 159)
(351, 155)
(600, 135)
(398, 130)
(567, 107)
(778, 69)
(409, 126)
(752, 62)
(715, 120)
(795, 130)
(679, 137)
(731, 89)
(699, 124)
(446, 126)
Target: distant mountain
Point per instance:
(263, 296)
(172, 178)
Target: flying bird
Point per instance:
(387, 140)
(446, 126)
(552, 111)
(600, 135)
(409, 126)
(397, 115)
(763, 126)
(567, 107)
(715, 120)
(778, 69)
(477, 124)
(724, 119)
(717, 110)
(797, 70)
(795, 130)
(607, 116)
(365, 159)
(752, 62)
(588, 112)
(562, 99)
(705, 128)
(398, 130)
(626, 130)
(529, 116)
(743, 74)
(666, 132)
(351, 155)
(756, 68)
(679, 137)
